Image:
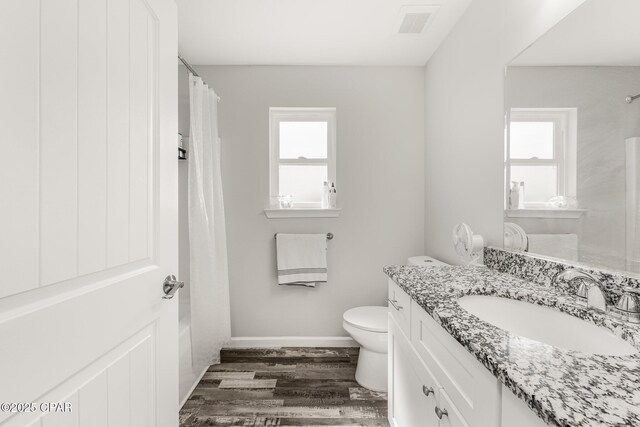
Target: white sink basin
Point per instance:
(546, 325)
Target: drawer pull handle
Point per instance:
(394, 303)
(427, 390)
(441, 412)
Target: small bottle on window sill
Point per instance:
(333, 196)
(513, 195)
(521, 195)
(324, 203)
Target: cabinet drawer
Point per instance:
(413, 390)
(453, 418)
(469, 386)
(400, 307)
(409, 405)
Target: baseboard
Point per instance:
(193, 387)
(252, 342)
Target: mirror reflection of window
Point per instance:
(542, 153)
(587, 64)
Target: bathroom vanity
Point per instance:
(447, 367)
(433, 381)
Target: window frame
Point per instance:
(564, 148)
(293, 114)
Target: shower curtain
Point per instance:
(209, 283)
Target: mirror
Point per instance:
(572, 151)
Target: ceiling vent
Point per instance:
(414, 19)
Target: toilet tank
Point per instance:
(425, 261)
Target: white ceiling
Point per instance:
(599, 32)
(308, 32)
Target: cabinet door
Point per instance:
(469, 386)
(408, 404)
(453, 417)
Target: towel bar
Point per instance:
(329, 236)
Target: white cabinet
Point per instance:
(412, 389)
(416, 398)
(468, 386)
(433, 380)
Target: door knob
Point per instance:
(171, 286)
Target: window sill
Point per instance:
(545, 213)
(301, 213)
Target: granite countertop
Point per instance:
(564, 387)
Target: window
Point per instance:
(542, 153)
(303, 154)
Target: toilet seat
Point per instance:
(368, 318)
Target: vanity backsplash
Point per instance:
(542, 271)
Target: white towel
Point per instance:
(302, 259)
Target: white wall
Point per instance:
(464, 88)
(380, 185)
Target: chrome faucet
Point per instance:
(628, 306)
(590, 291)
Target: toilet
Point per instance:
(368, 327)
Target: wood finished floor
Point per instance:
(284, 387)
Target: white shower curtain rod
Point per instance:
(190, 68)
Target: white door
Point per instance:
(88, 208)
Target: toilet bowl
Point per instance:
(368, 327)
